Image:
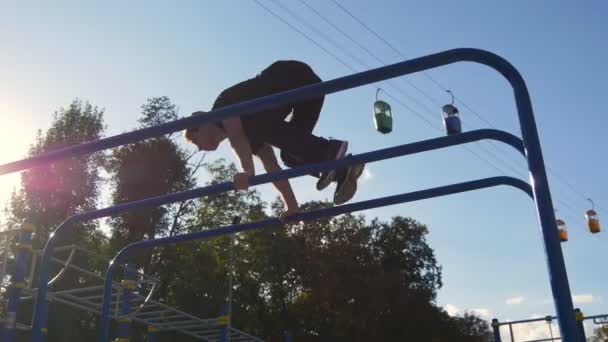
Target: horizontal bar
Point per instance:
(73, 304)
(236, 331)
(531, 320)
(324, 212)
(81, 289)
(9, 232)
(597, 316)
(171, 309)
(332, 211)
(190, 325)
(196, 327)
(266, 102)
(368, 157)
(172, 318)
(189, 320)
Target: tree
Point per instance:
(146, 169)
(600, 334)
(51, 193)
(341, 277)
(474, 326)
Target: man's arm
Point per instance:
(240, 144)
(269, 160)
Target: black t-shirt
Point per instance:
(278, 77)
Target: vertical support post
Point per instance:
(495, 329)
(152, 330)
(224, 323)
(23, 250)
(4, 263)
(580, 318)
(558, 276)
(128, 286)
(104, 322)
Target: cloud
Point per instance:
(514, 300)
(367, 175)
(585, 299)
(452, 310)
(483, 313)
(530, 331)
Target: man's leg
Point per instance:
(304, 118)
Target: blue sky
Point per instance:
(117, 54)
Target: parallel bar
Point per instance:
(530, 320)
(311, 215)
(192, 327)
(236, 331)
(185, 321)
(406, 149)
(555, 262)
(260, 104)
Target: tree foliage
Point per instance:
(346, 278)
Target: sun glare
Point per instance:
(13, 146)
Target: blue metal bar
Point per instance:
(23, 250)
(392, 152)
(598, 319)
(305, 216)
(530, 320)
(557, 270)
(496, 330)
(127, 287)
(579, 323)
(152, 332)
(272, 101)
(224, 323)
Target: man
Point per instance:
(256, 134)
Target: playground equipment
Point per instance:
(578, 314)
(132, 300)
(383, 117)
(451, 117)
(593, 221)
(538, 189)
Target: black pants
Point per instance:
(294, 137)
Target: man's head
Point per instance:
(206, 137)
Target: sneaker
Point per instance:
(347, 184)
(336, 150)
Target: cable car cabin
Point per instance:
(383, 116)
(451, 119)
(561, 228)
(593, 221)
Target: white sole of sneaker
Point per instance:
(349, 187)
(331, 175)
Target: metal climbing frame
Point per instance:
(538, 176)
(144, 309)
(580, 318)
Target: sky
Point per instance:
(117, 54)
